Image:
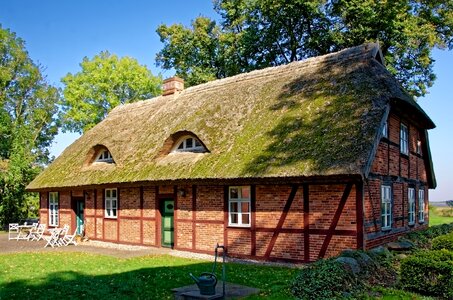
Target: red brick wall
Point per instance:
(201, 229)
(43, 210)
(400, 172)
(65, 209)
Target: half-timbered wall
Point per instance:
(399, 171)
(300, 222)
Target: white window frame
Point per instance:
(111, 203)
(385, 130)
(239, 201)
(183, 145)
(105, 156)
(411, 205)
(404, 139)
(421, 205)
(53, 208)
(386, 207)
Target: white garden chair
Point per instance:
(36, 235)
(13, 233)
(52, 240)
(63, 233)
(70, 239)
(30, 231)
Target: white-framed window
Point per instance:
(189, 144)
(239, 206)
(386, 207)
(53, 208)
(404, 139)
(385, 130)
(111, 203)
(421, 205)
(105, 156)
(411, 206)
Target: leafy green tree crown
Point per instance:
(29, 121)
(254, 34)
(104, 82)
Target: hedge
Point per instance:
(324, 279)
(429, 273)
(443, 242)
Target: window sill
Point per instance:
(110, 218)
(239, 226)
(387, 229)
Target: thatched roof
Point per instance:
(316, 117)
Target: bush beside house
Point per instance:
(354, 273)
(436, 279)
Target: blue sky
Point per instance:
(58, 34)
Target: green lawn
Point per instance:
(80, 275)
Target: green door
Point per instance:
(79, 216)
(167, 222)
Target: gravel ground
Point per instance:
(116, 250)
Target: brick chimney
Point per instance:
(173, 85)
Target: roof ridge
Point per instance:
(366, 48)
(272, 70)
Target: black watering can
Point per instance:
(207, 281)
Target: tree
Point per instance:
(450, 204)
(104, 82)
(261, 33)
(406, 29)
(29, 121)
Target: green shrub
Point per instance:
(423, 238)
(443, 242)
(324, 279)
(429, 273)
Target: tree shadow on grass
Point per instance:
(145, 283)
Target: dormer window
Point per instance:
(189, 144)
(183, 142)
(105, 156)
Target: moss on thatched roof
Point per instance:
(315, 117)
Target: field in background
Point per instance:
(440, 215)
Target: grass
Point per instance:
(440, 215)
(82, 275)
(392, 294)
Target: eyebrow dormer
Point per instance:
(104, 156)
(99, 154)
(189, 143)
(183, 142)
